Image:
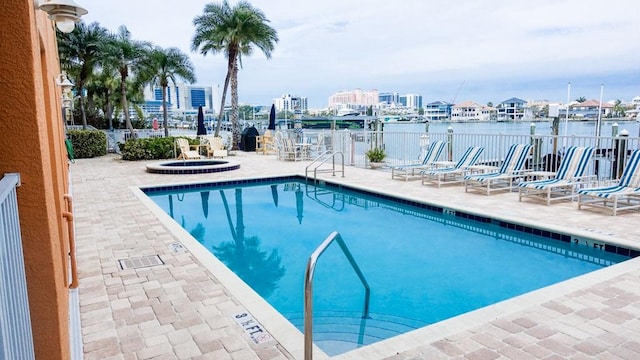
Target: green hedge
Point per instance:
(149, 148)
(88, 143)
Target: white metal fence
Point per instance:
(610, 152)
(16, 338)
(608, 161)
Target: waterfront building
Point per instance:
(438, 111)
(182, 99)
(471, 111)
(355, 99)
(511, 109)
(589, 109)
(388, 98)
(295, 104)
(538, 108)
(411, 101)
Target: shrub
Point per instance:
(88, 143)
(149, 148)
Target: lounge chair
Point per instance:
(214, 145)
(409, 170)
(567, 178)
(186, 150)
(455, 174)
(623, 196)
(503, 179)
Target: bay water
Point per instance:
(577, 128)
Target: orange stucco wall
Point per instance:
(32, 144)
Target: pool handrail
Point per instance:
(322, 159)
(308, 288)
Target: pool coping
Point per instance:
(292, 339)
(221, 165)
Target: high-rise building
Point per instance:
(295, 104)
(353, 99)
(389, 98)
(182, 98)
(412, 101)
(394, 99)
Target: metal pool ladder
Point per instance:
(308, 288)
(321, 160)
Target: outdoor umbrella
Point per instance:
(201, 129)
(272, 118)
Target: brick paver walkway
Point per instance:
(180, 310)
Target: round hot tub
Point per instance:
(192, 166)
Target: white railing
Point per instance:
(16, 338)
(610, 155)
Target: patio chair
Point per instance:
(503, 179)
(623, 196)
(407, 171)
(455, 174)
(567, 178)
(186, 150)
(287, 149)
(265, 143)
(215, 146)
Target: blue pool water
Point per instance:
(423, 265)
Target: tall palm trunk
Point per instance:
(235, 123)
(165, 114)
(80, 88)
(125, 106)
(223, 98)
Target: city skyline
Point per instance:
(484, 51)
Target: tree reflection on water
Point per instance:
(260, 269)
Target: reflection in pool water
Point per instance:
(423, 264)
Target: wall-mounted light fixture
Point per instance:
(66, 13)
(67, 100)
(65, 84)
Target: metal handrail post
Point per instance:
(308, 288)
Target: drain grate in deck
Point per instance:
(141, 262)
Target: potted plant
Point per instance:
(375, 157)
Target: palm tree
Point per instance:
(101, 90)
(164, 65)
(234, 31)
(126, 55)
(618, 109)
(80, 50)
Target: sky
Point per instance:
(480, 50)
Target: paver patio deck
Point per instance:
(180, 310)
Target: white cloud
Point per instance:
(411, 46)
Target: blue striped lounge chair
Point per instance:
(455, 174)
(407, 171)
(502, 179)
(567, 178)
(623, 196)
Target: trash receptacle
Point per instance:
(248, 139)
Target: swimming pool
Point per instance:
(410, 253)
